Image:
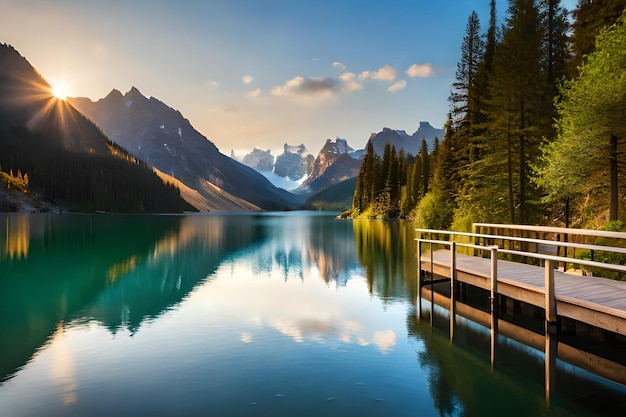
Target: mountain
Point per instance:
(294, 163)
(334, 163)
(262, 161)
(337, 197)
(426, 131)
(159, 135)
(66, 157)
(286, 170)
(401, 140)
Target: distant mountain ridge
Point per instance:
(164, 139)
(401, 140)
(286, 170)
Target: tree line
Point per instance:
(86, 182)
(536, 127)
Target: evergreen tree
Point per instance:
(424, 172)
(591, 124)
(591, 17)
(518, 102)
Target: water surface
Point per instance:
(257, 314)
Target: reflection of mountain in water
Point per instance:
(178, 262)
(116, 269)
(388, 252)
(297, 242)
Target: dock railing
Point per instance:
(549, 262)
(559, 248)
(555, 240)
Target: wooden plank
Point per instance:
(593, 300)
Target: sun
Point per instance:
(60, 91)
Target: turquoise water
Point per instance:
(246, 315)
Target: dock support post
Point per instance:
(550, 298)
(452, 289)
(550, 365)
(432, 289)
(494, 303)
(419, 279)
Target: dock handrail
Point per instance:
(551, 229)
(600, 248)
(543, 256)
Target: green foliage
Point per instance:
(434, 212)
(591, 112)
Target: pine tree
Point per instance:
(591, 17)
(591, 124)
(518, 97)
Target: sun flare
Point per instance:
(60, 91)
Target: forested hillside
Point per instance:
(64, 155)
(536, 128)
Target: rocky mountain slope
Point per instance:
(159, 135)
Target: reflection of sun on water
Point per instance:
(62, 371)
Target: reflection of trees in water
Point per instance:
(16, 232)
(64, 269)
(177, 263)
(387, 250)
(117, 269)
(433, 359)
(461, 382)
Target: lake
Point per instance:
(263, 314)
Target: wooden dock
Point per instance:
(596, 301)
(593, 301)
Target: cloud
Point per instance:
(397, 86)
(420, 70)
(307, 86)
(385, 73)
(315, 90)
(254, 93)
(364, 75)
(349, 82)
(339, 65)
(247, 79)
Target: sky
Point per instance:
(256, 73)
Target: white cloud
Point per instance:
(247, 79)
(339, 65)
(364, 75)
(254, 93)
(420, 70)
(385, 73)
(397, 86)
(349, 82)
